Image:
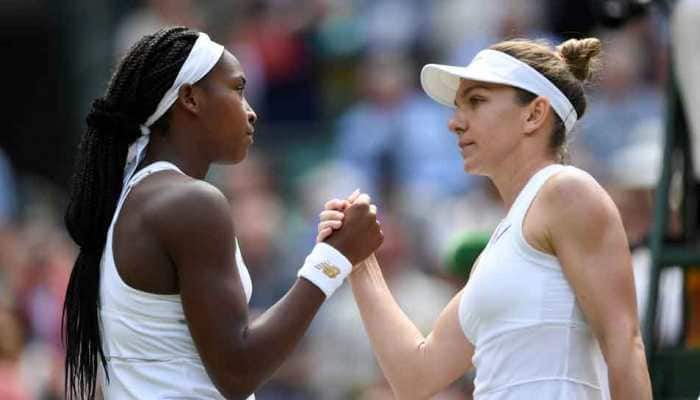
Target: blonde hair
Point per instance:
(568, 66)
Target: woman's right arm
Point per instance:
(415, 366)
(194, 225)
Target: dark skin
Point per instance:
(174, 236)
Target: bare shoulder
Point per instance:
(179, 205)
(575, 199)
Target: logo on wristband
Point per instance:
(329, 270)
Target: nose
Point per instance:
(252, 116)
(457, 124)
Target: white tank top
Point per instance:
(530, 338)
(145, 338)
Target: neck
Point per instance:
(514, 174)
(173, 148)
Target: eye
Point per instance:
(475, 100)
(240, 89)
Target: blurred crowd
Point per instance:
(335, 86)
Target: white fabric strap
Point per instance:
(202, 58)
(204, 55)
(326, 268)
(442, 81)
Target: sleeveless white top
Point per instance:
(531, 340)
(145, 338)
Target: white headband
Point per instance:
(204, 55)
(442, 81)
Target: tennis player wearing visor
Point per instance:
(549, 309)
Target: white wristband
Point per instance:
(326, 268)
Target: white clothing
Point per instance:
(145, 338)
(518, 310)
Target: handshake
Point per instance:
(351, 227)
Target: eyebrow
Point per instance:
(468, 90)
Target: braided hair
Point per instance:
(138, 84)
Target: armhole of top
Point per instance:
(134, 180)
(527, 248)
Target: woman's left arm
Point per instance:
(586, 233)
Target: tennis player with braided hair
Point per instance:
(553, 290)
(157, 300)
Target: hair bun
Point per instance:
(104, 117)
(581, 56)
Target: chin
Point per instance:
(242, 156)
(232, 159)
(468, 167)
(472, 169)
(238, 159)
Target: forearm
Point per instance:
(271, 338)
(628, 376)
(396, 341)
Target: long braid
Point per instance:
(136, 87)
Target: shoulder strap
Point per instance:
(147, 170)
(532, 187)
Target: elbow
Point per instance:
(236, 394)
(412, 389)
(618, 346)
(412, 383)
(235, 389)
(235, 382)
(412, 393)
(619, 336)
(407, 395)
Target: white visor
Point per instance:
(441, 82)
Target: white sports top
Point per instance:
(531, 339)
(149, 350)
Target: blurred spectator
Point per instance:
(40, 285)
(685, 27)
(396, 138)
(11, 254)
(11, 386)
(277, 33)
(634, 174)
(455, 24)
(259, 213)
(340, 32)
(43, 280)
(621, 100)
(153, 15)
(478, 212)
(8, 200)
(401, 35)
(505, 19)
